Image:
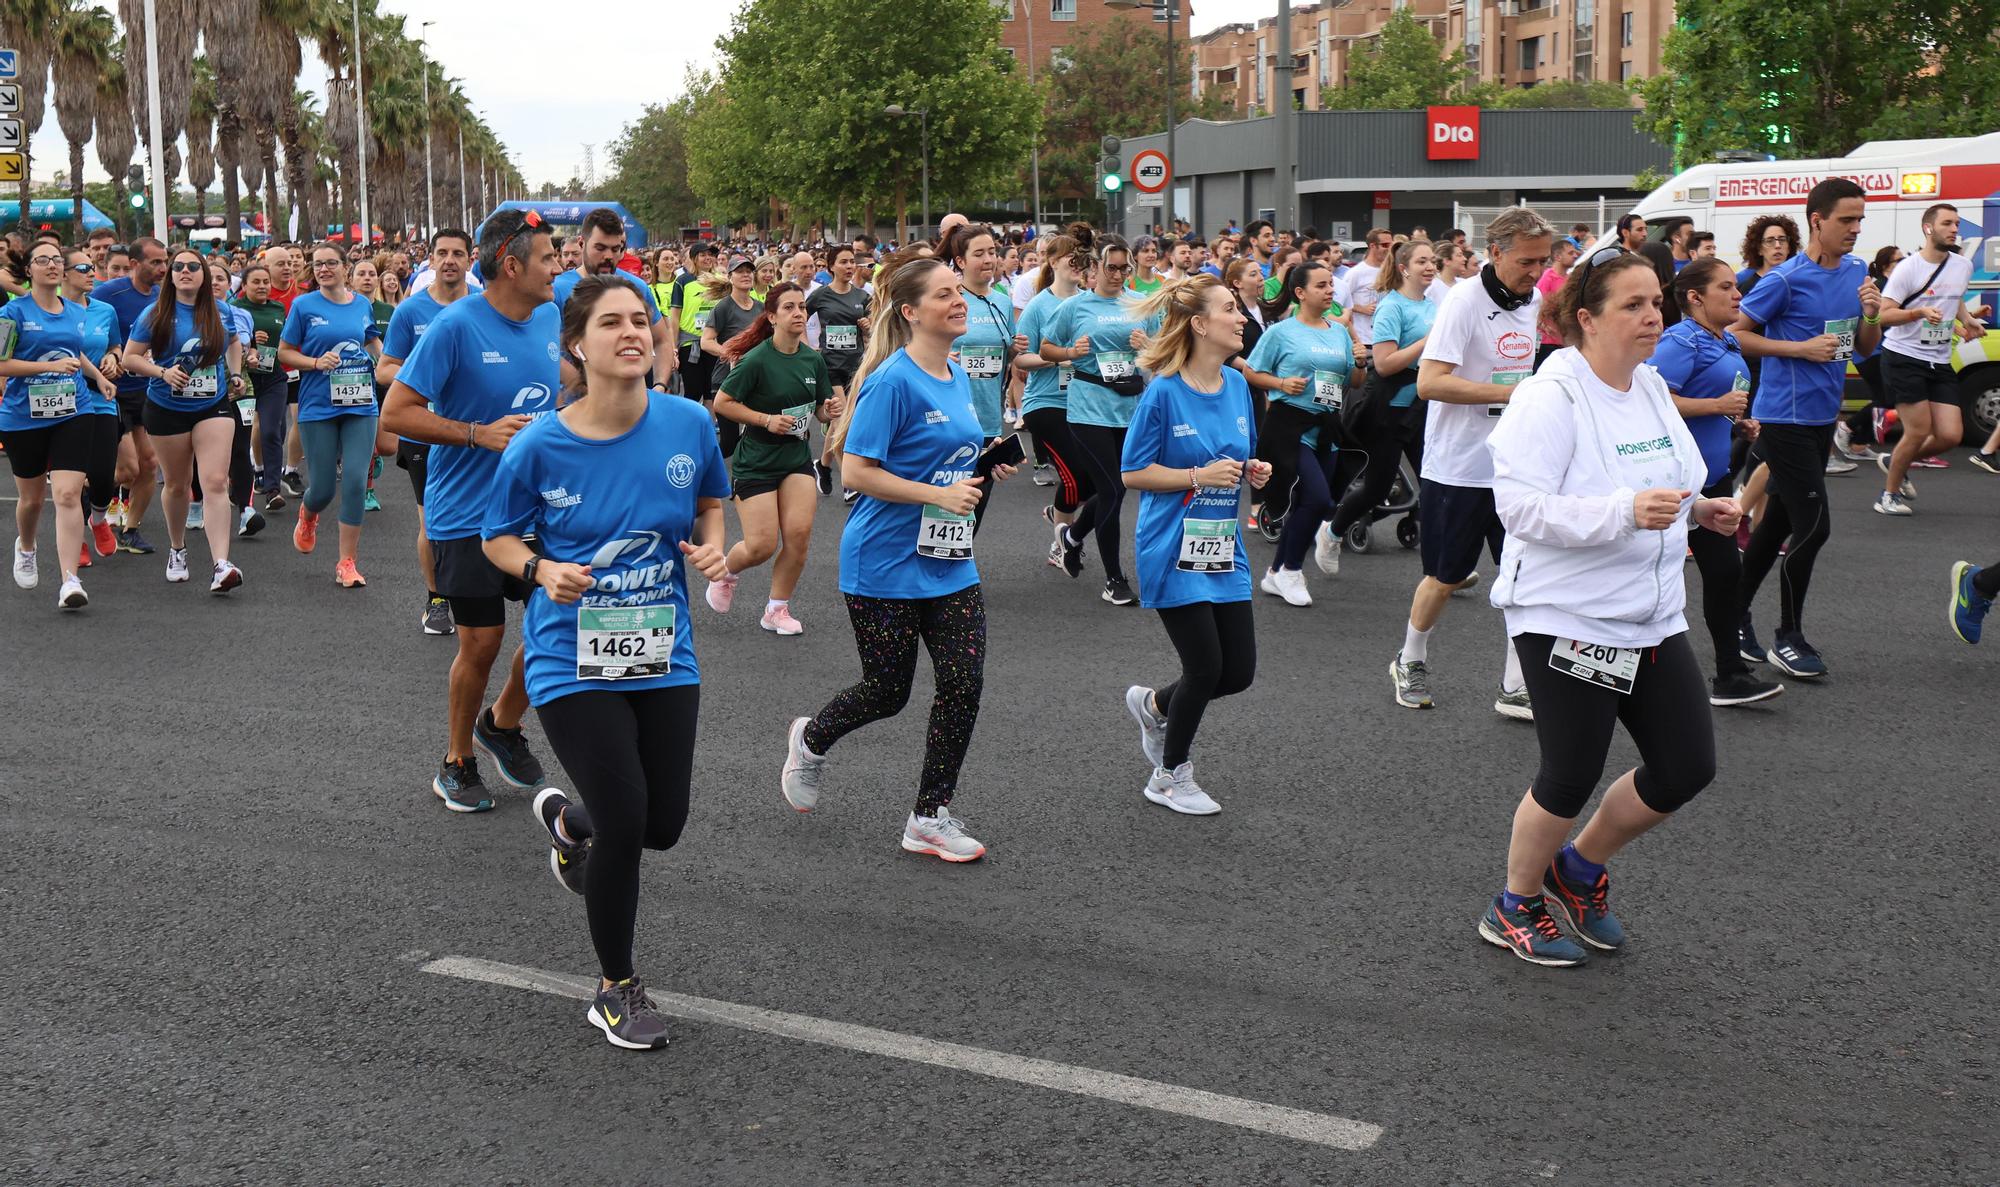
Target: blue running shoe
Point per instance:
(458, 784)
(508, 749)
(1747, 645)
(1530, 933)
(1793, 655)
(1968, 608)
(1584, 908)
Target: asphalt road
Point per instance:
(225, 874)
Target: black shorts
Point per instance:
(1453, 521)
(64, 445)
(478, 592)
(1915, 381)
(131, 411)
(162, 421)
(840, 376)
(415, 458)
(750, 488)
(291, 389)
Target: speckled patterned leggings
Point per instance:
(886, 630)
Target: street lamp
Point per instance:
(924, 117)
(361, 129)
(1035, 151)
(1171, 9)
(430, 191)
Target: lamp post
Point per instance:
(924, 117)
(1171, 9)
(1035, 152)
(155, 148)
(361, 129)
(430, 191)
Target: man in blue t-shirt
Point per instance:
(482, 371)
(603, 247)
(133, 296)
(1805, 319)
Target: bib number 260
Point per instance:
(1615, 668)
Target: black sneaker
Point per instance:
(628, 1017)
(437, 618)
(292, 484)
(1747, 645)
(1741, 688)
(131, 541)
(1989, 462)
(1792, 654)
(1072, 551)
(1118, 592)
(509, 751)
(274, 500)
(459, 786)
(823, 475)
(566, 858)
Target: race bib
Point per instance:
(1509, 378)
(51, 397)
(1327, 389)
(1115, 364)
(203, 381)
(944, 536)
(246, 409)
(842, 338)
(624, 642)
(1063, 372)
(801, 420)
(981, 362)
(1609, 667)
(1933, 333)
(1207, 546)
(263, 358)
(1740, 384)
(352, 387)
(701, 320)
(1843, 329)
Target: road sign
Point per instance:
(10, 64)
(1150, 171)
(12, 167)
(10, 135)
(10, 98)
(1143, 200)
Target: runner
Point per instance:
(687, 317)
(735, 305)
(487, 367)
(1146, 279)
(1102, 336)
(134, 295)
(190, 406)
(1045, 400)
(1189, 448)
(101, 347)
(268, 386)
(906, 565)
(1703, 367)
(330, 337)
(1567, 251)
(989, 335)
(1306, 363)
(46, 417)
(451, 255)
(242, 476)
(1481, 345)
(611, 665)
(776, 387)
(1358, 292)
(1922, 304)
(1388, 426)
(1806, 318)
(601, 245)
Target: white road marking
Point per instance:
(1321, 1129)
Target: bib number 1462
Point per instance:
(624, 642)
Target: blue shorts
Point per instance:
(1453, 522)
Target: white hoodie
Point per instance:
(1568, 457)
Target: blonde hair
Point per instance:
(901, 282)
(1176, 303)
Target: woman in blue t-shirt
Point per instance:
(912, 441)
(101, 344)
(1389, 425)
(1188, 449)
(1705, 371)
(608, 648)
(187, 350)
(332, 340)
(989, 341)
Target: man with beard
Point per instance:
(603, 246)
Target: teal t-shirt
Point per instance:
(1048, 387)
(982, 351)
(1401, 321)
(1109, 326)
(1325, 357)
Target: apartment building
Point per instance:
(1513, 42)
(1053, 24)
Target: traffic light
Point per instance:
(1109, 164)
(135, 181)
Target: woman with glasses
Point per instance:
(193, 364)
(1771, 240)
(46, 420)
(330, 336)
(100, 346)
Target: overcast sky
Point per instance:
(543, 108)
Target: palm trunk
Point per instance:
(229, 143)
(76, 186)
(269, 150)
(295, 173)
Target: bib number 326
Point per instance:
(624, 642)
(944, 536)
(1609, 667)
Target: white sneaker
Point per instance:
(940, 836)
(1152, 726)
(1289, 584)
(1177, 789)
(1470, 583)
(1908, 490)
(26, 575)
(1835, 464)
(197, 516)
(1045, 475)
(72, 596)
(177, 564)
(800, 777)
(225, 578)
(1890, 503)
(1326, 550)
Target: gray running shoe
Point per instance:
(1176, 789)
(803, 768)
(1152, 726)
(1412, 681)
(1514, 704)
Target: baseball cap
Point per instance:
(736, 262)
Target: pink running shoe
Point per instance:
(780, 621)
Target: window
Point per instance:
(1325, 54)
(1471, 29)
(1006, 8)
(1625, 29)
(1533, 5)
(1062, 10)
(1531, 52)
(1006, 49)
(1624, 71)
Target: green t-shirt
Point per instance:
(766, 380)
(383, 312)
(1145, 288)
(268, 316)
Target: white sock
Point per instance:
(562, 831)
(776, 604)
(1416, 645)
(1511, 680)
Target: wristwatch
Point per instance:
(528, 569)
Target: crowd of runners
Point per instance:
(577, 423)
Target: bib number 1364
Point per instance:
(1609, 667)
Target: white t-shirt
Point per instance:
(1926, 340)
(1022, 289)
(1438, 290)
(1358, 288)
(1484, 344)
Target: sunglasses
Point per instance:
(188, 266)
(83, 267)
(1116, 267)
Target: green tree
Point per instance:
(1403, 67)
(1816, 81)
(649, 168)
(1113, 82)
(1563, 95)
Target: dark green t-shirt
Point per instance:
(766, 380)
(268, 316)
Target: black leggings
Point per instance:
(1056, 442)
(1312, 497)
(1217, 642)
(1795, 509)
(1385, 435)
(1278, 436)
(1987, 581)
(100, 472)
(1721, 576)
(631, 758)
(1102, 449)
(1666, 713)
(886, 630)
(241, 474)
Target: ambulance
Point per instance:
(1902, 178)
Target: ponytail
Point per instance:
(1176, 303)
(902, 281)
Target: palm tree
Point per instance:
(228, 33)
(279, 109)
(177, 27)
(30, 27)
(201, 135)
(84, 35)
(115, 137)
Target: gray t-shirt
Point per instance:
(839, 317)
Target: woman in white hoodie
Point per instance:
(1595, 480)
